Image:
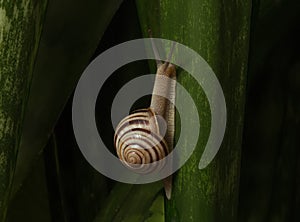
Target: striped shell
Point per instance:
(138, 142)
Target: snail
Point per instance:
(146, 135)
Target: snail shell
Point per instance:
(138, 142)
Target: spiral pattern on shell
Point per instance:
(138, 142)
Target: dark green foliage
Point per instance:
(20, 28)
(54, 182)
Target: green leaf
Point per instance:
(76, 190)
(70, 37)
(219, 32)
(20, 29)
(31, 203)
(157, 210)
(130, 203)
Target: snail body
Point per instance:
(146, 136)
